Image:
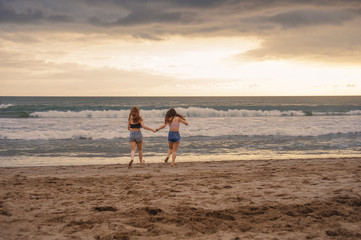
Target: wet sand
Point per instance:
(283, 199)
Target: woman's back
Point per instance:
(134, 124)
(174, 124)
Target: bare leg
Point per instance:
(175, 148)
(140, 152)
(170, 149)
(132, 152)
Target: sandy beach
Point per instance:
(283, 199)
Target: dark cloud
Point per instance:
(308, 17)
(141, 17)
(288, 28)
(200, 3)
(9, 14)
(132, 4)
(145, 17)
(235, 16)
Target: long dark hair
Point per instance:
(171, 113)
(134, 115)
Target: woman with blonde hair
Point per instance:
(172, 118)
(135, 123)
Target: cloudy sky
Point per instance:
(180, 47)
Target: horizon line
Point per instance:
(187, 96)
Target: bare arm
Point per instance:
(128, 126)
(145, 127)
(161, 127)
(183, 121)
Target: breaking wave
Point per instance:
(4, 106)
(193, 112)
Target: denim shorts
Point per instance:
(174, 137)
(135, 136)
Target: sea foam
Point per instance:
(192, 112)
(114, 128)
(4, 106)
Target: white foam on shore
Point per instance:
(191, 112)
(112, 128)
(4, 106)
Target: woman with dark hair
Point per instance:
(172, 118)
(135, 122)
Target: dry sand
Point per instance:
(287, 199)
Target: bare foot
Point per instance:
(130, 163)
(142, 163)
(166, 159)
(173, 165)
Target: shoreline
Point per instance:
(315, 198)
(63, 161)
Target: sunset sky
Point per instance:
(180, 47)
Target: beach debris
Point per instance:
(105, 208)
(153, 211)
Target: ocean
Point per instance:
(54, 131)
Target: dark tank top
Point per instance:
(137, 125)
